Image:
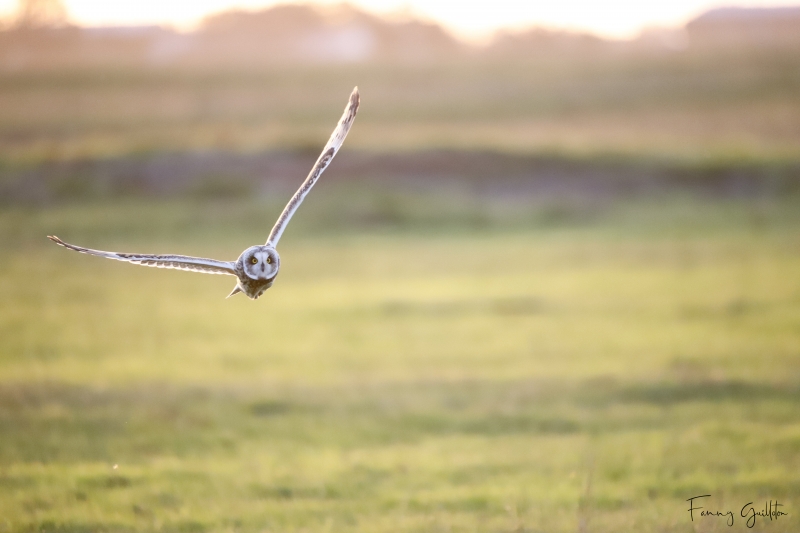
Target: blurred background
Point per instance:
(550, 283)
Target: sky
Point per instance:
(472, 20)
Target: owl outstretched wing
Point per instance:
(180, 262)
(336, 140)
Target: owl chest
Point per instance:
(254, 289)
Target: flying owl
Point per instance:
(258, 266)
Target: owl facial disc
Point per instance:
(260, 263)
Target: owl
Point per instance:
(258, 266)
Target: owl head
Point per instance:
(260, 262)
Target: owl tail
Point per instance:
(234, 291)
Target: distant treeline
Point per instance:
(219, 175)
(303, 34)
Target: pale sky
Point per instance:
(610, 18)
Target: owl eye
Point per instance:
(269, 260)
(253, 261)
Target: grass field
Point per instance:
(682, 106)
(543, 296)
(543, 374)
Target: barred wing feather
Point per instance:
(336, 140)
(180, 262)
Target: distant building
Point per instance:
(739, 26)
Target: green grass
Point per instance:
(525, 374)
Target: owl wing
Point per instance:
(336, 140)
(180, 262)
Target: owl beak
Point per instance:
(234, 291)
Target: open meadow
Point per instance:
(550, 375)
(548, 293)
(685, 106)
